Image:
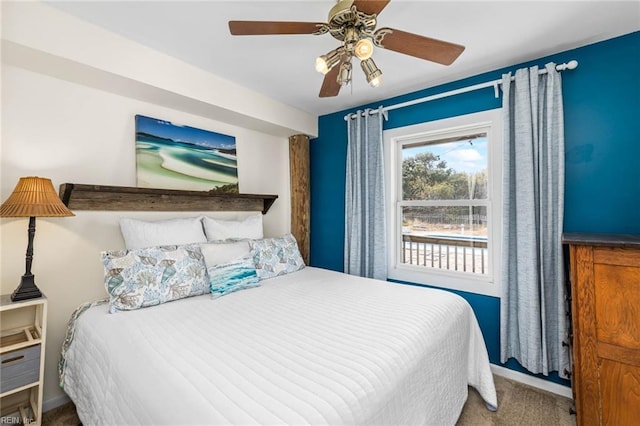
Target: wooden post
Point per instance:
(300, 192)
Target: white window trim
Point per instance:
(473, 283)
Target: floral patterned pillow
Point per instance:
(276, 256)
(150, 276)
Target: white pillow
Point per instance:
(219, 230)
(224, 252)
(140, 234)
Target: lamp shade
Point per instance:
(324, 63)
(34, 197)
(373, 73)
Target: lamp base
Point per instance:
(26, 290)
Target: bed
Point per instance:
(309, 347)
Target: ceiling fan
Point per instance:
(353, 22)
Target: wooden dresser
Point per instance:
(605, 303)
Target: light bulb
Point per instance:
(324, 63)
(377, 81)
(363, 49)
(321, 65)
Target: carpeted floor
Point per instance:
(519, 405)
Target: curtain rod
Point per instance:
(573, 64)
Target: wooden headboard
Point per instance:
(125, 198)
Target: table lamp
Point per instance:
(32, 197)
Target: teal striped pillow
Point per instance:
(237, 275)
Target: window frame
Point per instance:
(394, 139)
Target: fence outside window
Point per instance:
(453, 253)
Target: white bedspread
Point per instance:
(312, 347)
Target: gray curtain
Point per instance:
(365, 248)
(533, 315)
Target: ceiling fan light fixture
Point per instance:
(372, 72)
(344, 75)
(324, 63)
(353, 23)
(363, 49)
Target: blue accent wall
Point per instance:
(602, 149)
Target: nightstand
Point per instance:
(23, 328)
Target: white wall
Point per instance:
(74, 133)
(38, 36)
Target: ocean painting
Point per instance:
(171, 156)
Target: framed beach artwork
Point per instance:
(172, 156)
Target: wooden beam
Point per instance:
(125, 198)
(300, 193)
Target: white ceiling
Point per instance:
(496, 34)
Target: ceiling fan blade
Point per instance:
(370, 6)
(330, 86)
(419, 46)
(274, 27)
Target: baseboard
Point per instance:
(56, 402)
(532, 381)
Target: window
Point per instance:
(444, 202)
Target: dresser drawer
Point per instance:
(20, 367)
